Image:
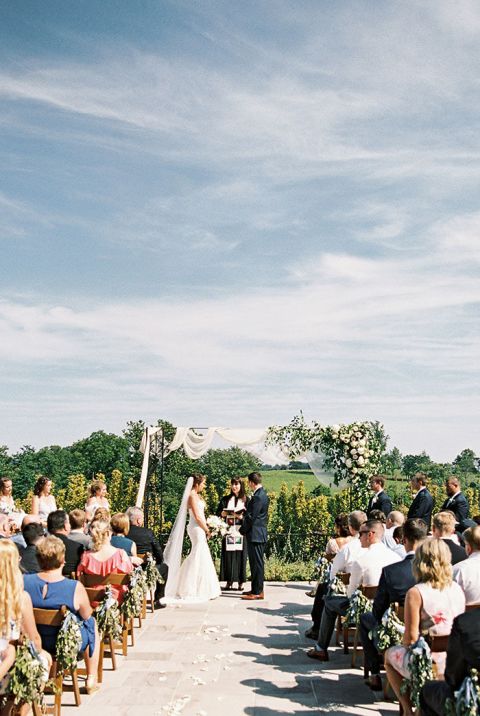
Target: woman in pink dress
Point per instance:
(104, 559)
(430, 608)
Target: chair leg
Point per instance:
(144, 607)
(36, 709)
(76, 689)
(131, 630)
(355, 648)
(345, 639)
(101, 657)
(112, 653)
(338, 630)
(58, 694)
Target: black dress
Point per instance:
(233, 564)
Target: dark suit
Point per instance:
(254, 528)
(73, 554)
(463, 654)
(146, 541)
(458, 504)
(382, 502)
(457, 552)
(29, 562)
(422, 507)
(395, 581)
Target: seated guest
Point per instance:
(467, 572)
(422, 503)
(120, 525)
(398, 541)
(32, 534)
(16, 611)
(18, 537)
(58, 525)
(365, 571)
(342, 536)
(444, 528)
(456, 501)
(463, 654)
(78, 526)
(379, 500)
(342, 563)
(430, 607)
(396, 579)
(104, 559)
(49, 589)
(43, 502)
(146, 541)
(102, 514)
(394, 519)
(98, 498)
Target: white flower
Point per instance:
(360, 460)
(362, 442)
(354, 470)
(360, 450)
(349, 463)
(353, 451)
(354, 443)
(335, 428)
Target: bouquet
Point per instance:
(337, 588)
(28, 675)
(108, 616)
(359, 604)
(389, 632)
(420, 666)
(69, 642)
(217, 526)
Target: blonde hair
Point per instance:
(433, 563)
(96, 486)
(101, 515)
(100, 531)
(472, 537)
(11, 588)
(444, 522)
(50, 553)
(120, 523)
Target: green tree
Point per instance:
(415, 463)
(466, 462)
(221, 465)
(6, 462)
(100, 452)
(391, 462)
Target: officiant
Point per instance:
(233, 562)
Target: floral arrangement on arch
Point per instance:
(352, 451)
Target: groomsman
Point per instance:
(379, 500)
(456, 501)
(422, 504)
(254, 528)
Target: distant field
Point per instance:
(272, 479)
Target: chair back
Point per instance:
(399, 610)
(344, 577)
(49, 617)
(329, 557)
(471, 607)
(437, 643)
(95, 594)
(96, 580)
(369, 592)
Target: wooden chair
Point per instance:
(471, 607)
(150, 596)
(437, 643)
(345, 578)
(369, 593)
(97, 581)
(55, 617)
(96, 595)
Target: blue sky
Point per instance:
(224, 213)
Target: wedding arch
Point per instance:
(346, 455)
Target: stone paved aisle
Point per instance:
(231, 657)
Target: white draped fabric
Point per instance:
(251, 439)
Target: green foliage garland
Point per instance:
(28, 676)
(466, 701)
(323, 568)
(359, 604)
(132, 601)
(420, 668)
(389, 632)
(69, 642)
(337, 588)
(151, 573)
(107, 615)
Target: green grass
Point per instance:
(273, 479)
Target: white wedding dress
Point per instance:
(198, 579)
(194, 580)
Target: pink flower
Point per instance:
(439, 618)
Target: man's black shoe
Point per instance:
(312, 634)
(158, 605)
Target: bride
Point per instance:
(195, 580)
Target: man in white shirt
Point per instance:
(342, 563)
(365, 571)
(394, 519)
(467, 573)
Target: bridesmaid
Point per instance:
(98, 498)
(233, 563)
(43, 502)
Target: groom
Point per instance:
(254, 528)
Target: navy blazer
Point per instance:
(395, 581)
(463, 651)
(457, 552)
(422, 507)
(459, 506)
(383, 503)
(254, 525)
